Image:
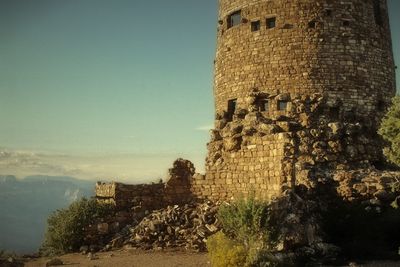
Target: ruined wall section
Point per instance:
(341, 48)
(244, 165)
(304, 148)
(147, 197)
(131, 197)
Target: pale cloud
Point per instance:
(23, 163)
(205, 127)
(123, 167)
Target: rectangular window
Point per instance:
(234, 19)
(263, 105)
(282, 105)
(271, 23)
(378, 12)
(231, 108)
(346, 23)
(255, 26)
(328, 12)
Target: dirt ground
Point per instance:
(131, 258)
(139, 258)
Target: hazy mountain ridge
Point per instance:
(26, 203)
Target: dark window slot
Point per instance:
(263, 104)
(282, 104)
(378, 13)
(231, 109)
(346, 23)
(234, 19)
(271, 23)
(255, 26)
(328, 12)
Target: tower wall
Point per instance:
(300, 88)
(338, 48)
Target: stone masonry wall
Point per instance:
(147, 197)
(270, 154)
(300, 88)
(124, 196)
(338, 48)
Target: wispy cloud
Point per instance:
(205, 127)
(130, 168)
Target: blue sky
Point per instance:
(121, 86)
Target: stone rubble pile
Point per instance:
(372, 187)
(179, 226)
(272, 152)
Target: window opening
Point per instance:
(234, 19)
(378, 12)
(263, 104)
(271, 23)
(381, 105)
(328, 12)
(255, 26)
(231, 108)
(334, 113)
(282, 104)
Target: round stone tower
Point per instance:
(341, 49)
(300, 89)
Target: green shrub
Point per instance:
(390, 131)
(66, 227)
(224, 252)
(244, 220)
(244, 240)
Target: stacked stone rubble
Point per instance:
(269, 154)
(179, 226)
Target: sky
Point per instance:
(103, 89)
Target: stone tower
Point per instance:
(300, 88)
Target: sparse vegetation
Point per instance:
(244, 240)
(390, 131)
(65, 227)
(225, 252)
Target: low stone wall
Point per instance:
(123, 196)
(148, 197)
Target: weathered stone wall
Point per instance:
(298, 96)
(269, 154)
(255, 164)
(317, 46)
(147, 197)
(124, 196)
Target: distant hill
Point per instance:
(25, 205)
